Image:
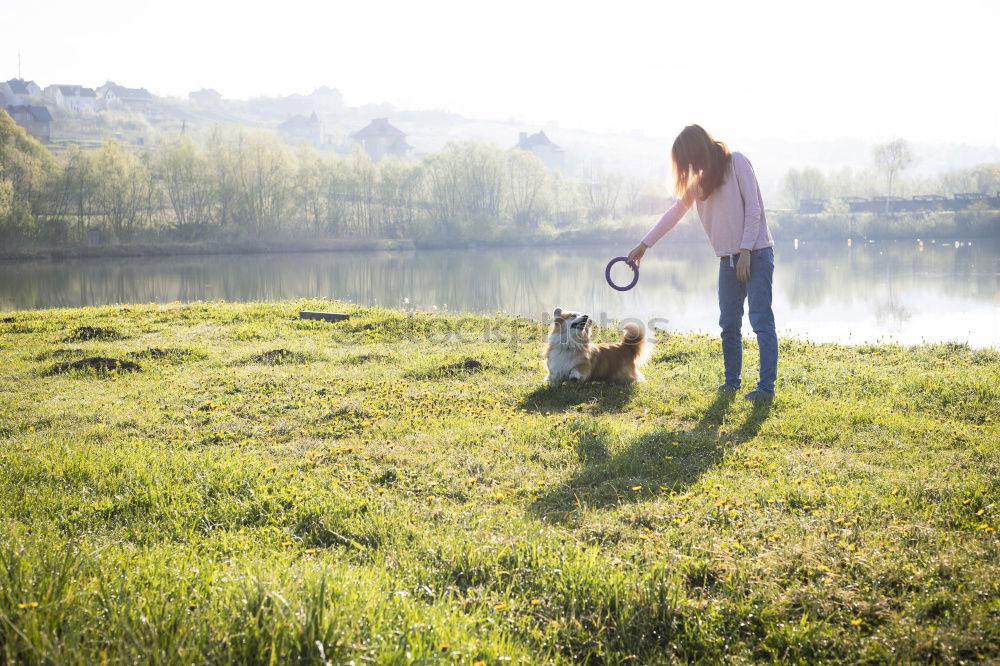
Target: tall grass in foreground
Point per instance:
(363, 496)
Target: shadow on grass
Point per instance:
(599, 396)
(755, 419)
(654, 463)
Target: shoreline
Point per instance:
(175, 249)
(318, 246)
(11, 316)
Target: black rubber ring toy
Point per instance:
(635, 273)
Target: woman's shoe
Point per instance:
(759, 395)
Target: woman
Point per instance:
(723, 187)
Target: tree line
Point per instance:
(886, 177)
(242, 184)
(248, 184)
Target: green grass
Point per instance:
(353, 502)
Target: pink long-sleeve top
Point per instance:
(733, 215)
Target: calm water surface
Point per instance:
(822, 291)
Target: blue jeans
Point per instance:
(757, 290)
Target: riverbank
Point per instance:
(786, 226)
(401, 487)
(624, 235)
(173, 248)
(840, 225)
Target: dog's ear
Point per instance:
(557, 312)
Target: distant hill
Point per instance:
(636, 155)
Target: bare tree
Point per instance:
(187, 179)
(892, 158)
(122, 187)
(526, 177)
(602, 192)
(807, 183)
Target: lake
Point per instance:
(823, 291)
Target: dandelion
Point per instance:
(535, 602)
(980, 512)
(500, 607)
(310, 551)
(636, 487)
(286, 543)
(856, 622)
(966, 502)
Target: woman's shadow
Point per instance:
(654, 463)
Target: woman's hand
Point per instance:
(743, 266)
(635, 256)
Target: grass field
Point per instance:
(270, 490)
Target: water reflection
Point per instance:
(823, 291)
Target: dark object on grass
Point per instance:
(84, 333)
(635, 274)
(674, 357)
(466, 365)
(58, 353)
(325, 316)
(98, 364)
(157, 353)
(277, 356)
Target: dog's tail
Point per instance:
(634, 338)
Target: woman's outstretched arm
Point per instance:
(667, 222)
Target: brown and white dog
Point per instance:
(570, 356)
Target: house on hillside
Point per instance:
(78, 98)
(541, 146)
(379, 139)
(113, 96)
(327, 99)
(300, 129)
(18, 92)
(35, 119)
(205, 97)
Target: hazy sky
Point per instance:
(872, 69)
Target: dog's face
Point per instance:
(570, 327)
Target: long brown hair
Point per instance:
(700, 162)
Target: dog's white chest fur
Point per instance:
(562, 361)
